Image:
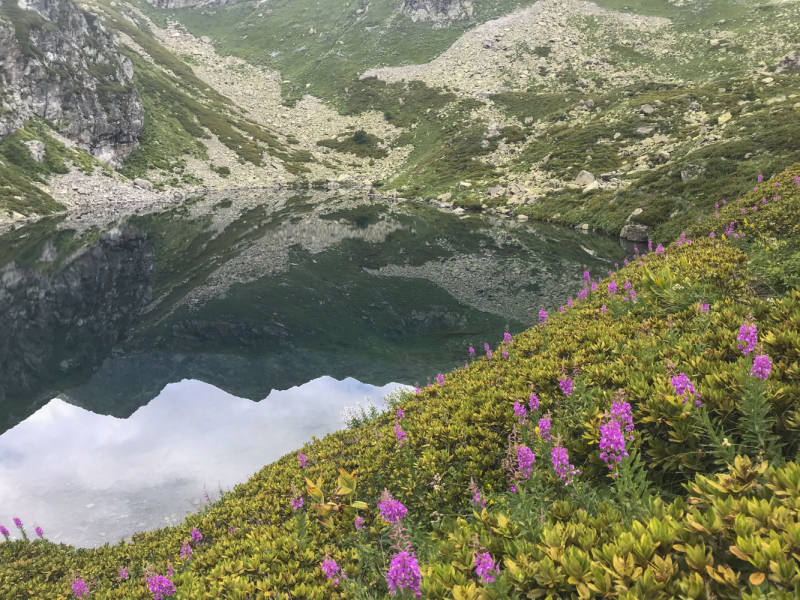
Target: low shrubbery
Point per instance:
(637, 443)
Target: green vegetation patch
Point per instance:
(360, 143)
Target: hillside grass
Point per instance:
(704, 506)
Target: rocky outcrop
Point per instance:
(58, 328)
(185, 3)
(441, 12)
(633, 231)
(59, 63)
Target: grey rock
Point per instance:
(695, 106)
(36, 148)
(445, 197)
(143, 184)
(441, 12)
(205, 39)
(104, 116)
(662, 156)
(609, 176)
(497, 191)
(584, 178)
(691, 171)
(635, 232)
(647, 109)
(788, 63)
(464, 185)
(645, 130)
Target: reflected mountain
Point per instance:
(58, 328)
(260, 296)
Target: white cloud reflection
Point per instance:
(87, 478)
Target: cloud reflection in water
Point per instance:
(87, 478)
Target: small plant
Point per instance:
(361, 137)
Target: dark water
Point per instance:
(178, 317)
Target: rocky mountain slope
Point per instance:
(59, 63)
(629, 118)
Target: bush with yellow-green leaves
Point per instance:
(637, 443)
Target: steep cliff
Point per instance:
(59, 63)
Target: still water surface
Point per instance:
(145, 356)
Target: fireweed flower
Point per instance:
(332, 570)
(612, 288)
(533, 402)
(488, 351)
(4, 532)
(504, 354)
(18, 522)
(569, 302)
(762, 365)
(471, 352)
(404, 574)
(485, 567)
(525, 460)
(544, 428)
(586, 276)
(603, 309)
(186, 550)
(561, 464)
(402, 437)
(711, 235)
(359, 523)
(391, 510)
(296, 501)
(612, 443)
(79, 588)
(760, 178)
(303, 460)
(660, 250)
(684, 388)
(542, 317)
(594, 286)
(562, 308)
(160, 587)
(440, 379)
(477, 499)
(633, 295)
(123, 573)
(196, 535)
(566, 386)
(678, 244)
(621, 411)
(520, 412)
(748, 335)
(507, 338)
(649, 245)
(39, 531)
(704, 308)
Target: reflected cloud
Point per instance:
(87, 478)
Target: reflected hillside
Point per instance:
(252, 297)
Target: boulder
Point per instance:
(143, 184)
(788, 63)
(662, 156)
(647, 109)
(609, 176)
(695, 106)
(691, 171)
(584, 178)
(497, 191)
(464, 185)
(635, 232)
(724, 117)
(595, 185)
(522, 218)
(36, 148)
(458, 211)
(205, 39)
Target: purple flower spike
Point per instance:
(359, 523)
(160, 587)
(533, 402)
(561, 465)
(566, 386)
(762, 365)
(471, 352)
(544, 428)
(18, 522)
(391, 510)
(39, 532)
(521, 413)
(332, 570)
(79, 588)
(123, 573)
(542, 317)
(303, 460)
(404, 574)
(440, 379)
(748, 335)
(485, 567)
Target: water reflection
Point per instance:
(87, 479)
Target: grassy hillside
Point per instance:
(702, 506)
